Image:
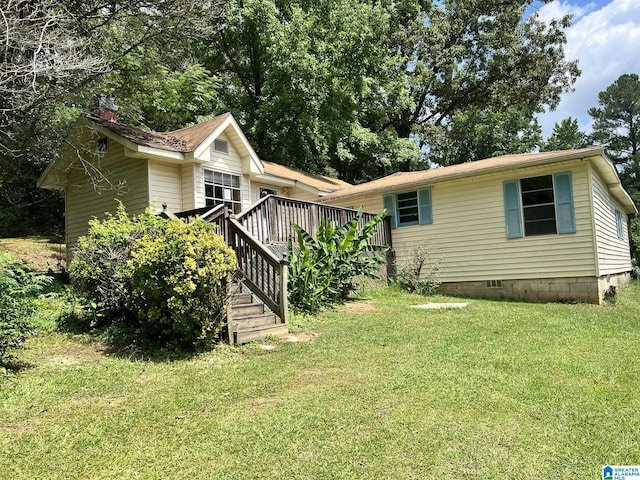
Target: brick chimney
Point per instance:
(104, 108)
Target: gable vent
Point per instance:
(221, 145)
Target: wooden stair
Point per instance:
(250, 319)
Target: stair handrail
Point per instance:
(262, 271)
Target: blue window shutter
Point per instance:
(565, 216)
(390, 205)
(424, 204)
(512, 211)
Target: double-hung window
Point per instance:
(409, 208)
(222, 188)
(539, 206)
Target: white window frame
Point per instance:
(225, 188)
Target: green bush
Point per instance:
(18, 286)
(414, 278)
(160, 281)
(99, 272)
(179, 277)
(324, 271)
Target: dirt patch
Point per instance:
(41, 253)
(300, 337)
(52, 352)
(360, 306)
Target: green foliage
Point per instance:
(180, 277)
(415, 278)
(99, 271)
(566, 135)
(161, 281)
(617, 127)
(617, 123)
(359, 86)
(158, 96)
(476, 133)
(18, 286)
(324, 270)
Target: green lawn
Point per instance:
(381, 391)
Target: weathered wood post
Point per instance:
(272, 215)
(391, 253)
(284, 291)
(231, 241)
(314, 220)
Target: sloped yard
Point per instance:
(376, 390)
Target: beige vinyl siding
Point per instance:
(165, 186)
(187, 176)
(468, 231)
(83, 202)
(226, 163)
(613, 253)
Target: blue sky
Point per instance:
(605, 39)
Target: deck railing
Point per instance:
(262, 271)
(270, 220)
(253, 234)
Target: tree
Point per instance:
(617, 126)
(43, 57)
(477, 133)
(55, 55)
(357, 86)
(566, 135)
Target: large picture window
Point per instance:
(222, 188)
(539, 206)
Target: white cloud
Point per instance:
(606, 42)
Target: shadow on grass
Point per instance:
(126, 340)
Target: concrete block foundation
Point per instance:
(571, 289)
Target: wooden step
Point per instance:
(241, 299)
(246, 309)
(275, 330)
(253, 321)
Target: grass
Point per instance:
(495, 390)
(41, 253)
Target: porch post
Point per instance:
(284, 292)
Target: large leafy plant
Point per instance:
(18, 286)
(324, 270)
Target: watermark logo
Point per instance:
(621, 472)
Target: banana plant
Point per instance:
(324, 270)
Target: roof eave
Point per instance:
(256, 165)
(487, 170)
(286, 182)
(608, 170)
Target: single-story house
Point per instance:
(206, 164)
(540, 226)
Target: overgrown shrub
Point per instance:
(323, 271)
(179, 277)
(99, 272)
(161, 281)
(420, 273)
(18, 286)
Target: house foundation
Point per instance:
(570, 289)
